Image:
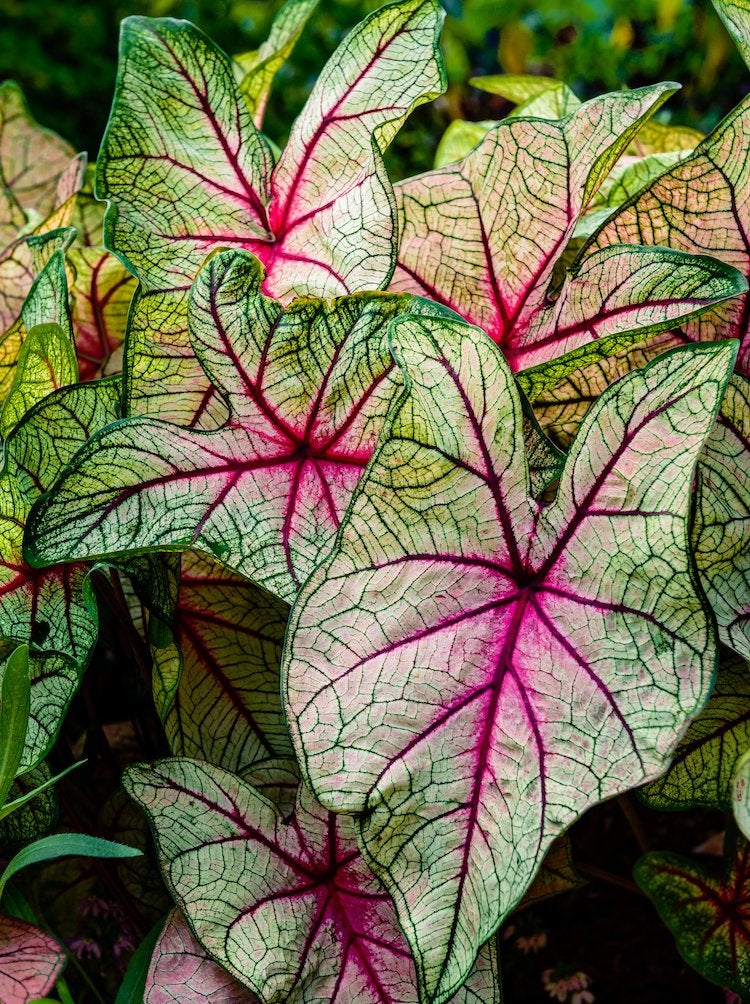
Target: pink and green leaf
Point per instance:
(101, 291)
(485, 236)
(30, 961)
(703, 764)
(181, 970)
(308, 390)
(46, 362)
(287, 906)
(709, 915)
(322, 220)
(721, 534)
(699, 207)
(222, 701)
(521, 662)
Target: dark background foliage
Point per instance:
(64, 56)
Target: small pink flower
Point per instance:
(531, 944)
(123, 944)
(85, 948)
(95, 906)
(583, 997)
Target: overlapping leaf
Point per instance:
(701, 770)
(700, 206)
(484, 237)
(181, 970)
(287, 906)
(470, 670)
(721, 537)
(30, 961)
(186, 171)
(101, 291)
(708, 916)
(220, 702)
(308, 389)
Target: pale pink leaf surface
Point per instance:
(222, 701)
(186, 171)
(287, 906)
(721, 534)
(472, 670)
(701, 206)
(30, 961)
(182, 973)
(483, 235)
(307, 388)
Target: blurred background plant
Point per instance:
(64, 56)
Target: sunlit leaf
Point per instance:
(46, 362)
(484, 237)
(708, 915)
(540, 97)
(459, 139)
(30, 961)
(258, 68)
(308, 389)
(322, 220)
(701, 770)
(699, 206)
(470, 670)
(736, 16)
(287, 906)
(181, 970)
(721, 537)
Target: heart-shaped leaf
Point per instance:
(701, 770)
(721, 536)
(286, 906)
(30, 961)
(471, 670)
(484, 237)
(181, 970)
(308, 389)
(220, 702)
(708, 915)
(322, 220)
(673, 212)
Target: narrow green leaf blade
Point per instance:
(15, 705)
(60, 845)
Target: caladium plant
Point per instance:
(434, 495)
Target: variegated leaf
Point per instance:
(30, 961)
(286, 906)
(470, 670)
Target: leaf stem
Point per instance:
(634, 822)
(597, 874)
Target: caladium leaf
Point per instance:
(224, 702)
(308, 389)
(736, 16)
(484, 236)
(721, 535)
(101, 292)
(32, 159)
(258, 68)
(540, 97)
(700, 773)
(708, 915)
(46, 362)
(741, 792)
(517, 666)
(322, 220)
(556, 875)
(286, 906)
(181, 970)
(670, 213)
(459, 139)
(30, 961)
(562, 390)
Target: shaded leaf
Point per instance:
(708, 916)
(470, 670)
(62, 845)
(721, 535)
(14, 716)
(293, 912)
(30, 961)
(557, 874)
(701, 770)
(46, 362)
(101, 292)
